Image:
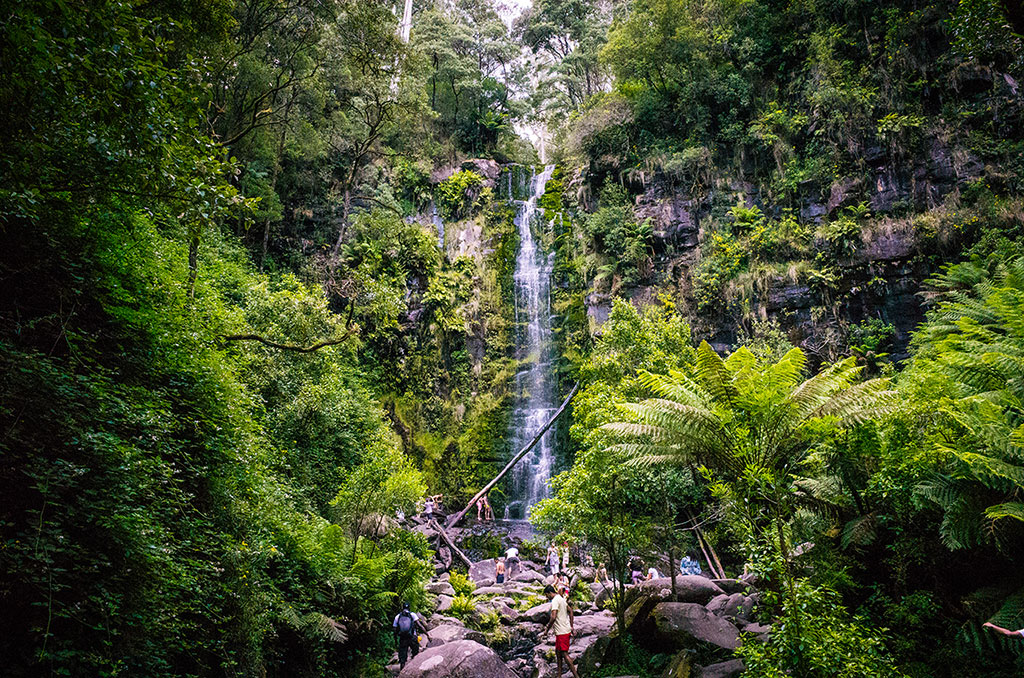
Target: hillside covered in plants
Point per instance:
(275, 273)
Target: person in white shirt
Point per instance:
(511, 561)
(562, 623)
(652, 573)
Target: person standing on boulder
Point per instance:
(405, 630)
(561, 622)
(553, 559)
(512, 561)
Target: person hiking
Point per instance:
(565, 556)
(428, 509)
(1019, 633)
(553, 559)
(560, 621)
(499, 570)
(637, 573)
(405, 625)
(512, 561)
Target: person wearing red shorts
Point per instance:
(561, 622)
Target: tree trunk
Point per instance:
(522, 453)
(193, 263)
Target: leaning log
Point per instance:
(443, 536)
(522, 453)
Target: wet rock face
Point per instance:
(458, 659)
(674, 217)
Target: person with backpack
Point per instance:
(405, 630)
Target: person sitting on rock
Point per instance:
(499, 570)
(1018, 634)
(562, 623)
(601, 575)
(652, 573)
(562, 583)
(689, 564)
(404, 626)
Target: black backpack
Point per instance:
(406, 626)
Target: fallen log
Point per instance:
(443, 536)
(522, 453)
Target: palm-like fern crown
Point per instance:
(975, 339)
(739, 412)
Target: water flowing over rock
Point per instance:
(536, 398)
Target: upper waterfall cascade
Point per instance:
(535, 385)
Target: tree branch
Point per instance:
(289, 347)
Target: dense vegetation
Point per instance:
(232, 345)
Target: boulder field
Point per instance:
(497, 629)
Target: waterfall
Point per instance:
(438, 224)
(535, 387)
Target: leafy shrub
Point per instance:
(462, 607)
(722, 258)
(460, 194)
(461, 583)
(816, 636)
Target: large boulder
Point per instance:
(728, 669)
(529, 577)
(449, 633)
(732, 585)
(458, 659)
(482, 570)
(679, 624)
(599, 624)
(440, 587)
(444, 603)
(679, 666)
(734, 606)
(538, 614)
(690, 588)
(488, 591)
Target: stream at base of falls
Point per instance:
(535, 380)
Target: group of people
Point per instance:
(431, 504)
(484, 512)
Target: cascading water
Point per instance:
(435, 218)
(535, 388)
